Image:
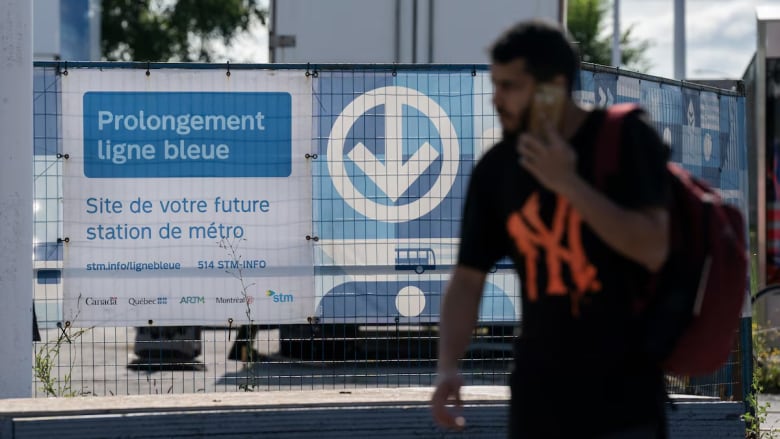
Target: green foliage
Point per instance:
(766, 379)
(767, 373)
(250, 356)
(47, 362)
(586, 25)
(179, 30)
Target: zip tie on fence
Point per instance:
(473, 70)
(312, 322)
(148, 65)
(63, 72)
(312, 238)
(63, 156)
(311, 156)
(314, 73)
(230, 326)
(228, 69)
(62, 329)
(394, 72)
(61, 240)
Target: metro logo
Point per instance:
(193, 300)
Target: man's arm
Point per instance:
(459, 313)
(638, 234)
(641, 235)
(458, 317)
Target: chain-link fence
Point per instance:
(208, 228)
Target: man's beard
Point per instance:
(512, 135)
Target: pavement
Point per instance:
(772, 405)
(101, 362)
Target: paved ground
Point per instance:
(772, 405)
(102, 362)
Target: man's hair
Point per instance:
(545, 47)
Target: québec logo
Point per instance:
(137, 301)
(280, 298)
(193, 300)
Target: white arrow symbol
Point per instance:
(605, 99)
(393, 177)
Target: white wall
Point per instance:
(368, 31)
(46, 29)
(464, 29)
(16, 198)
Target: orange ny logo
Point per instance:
(531, 234)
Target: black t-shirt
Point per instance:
(578, 332)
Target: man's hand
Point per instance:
(553, 164)
(447, 391)
(641, 235)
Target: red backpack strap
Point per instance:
(607, 158)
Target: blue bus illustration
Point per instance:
(503, 264)
(417, 259)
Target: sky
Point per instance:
(721, 36)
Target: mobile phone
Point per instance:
(546, 108)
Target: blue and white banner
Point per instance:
(190, 194)
(187, 197)
(396, 151)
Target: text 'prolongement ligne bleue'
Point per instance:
(181, 124)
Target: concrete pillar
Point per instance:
(679, 39)
(16, 197)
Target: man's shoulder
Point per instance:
(636, 125)
(496, 156)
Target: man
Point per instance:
(582, 254)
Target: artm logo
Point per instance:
(101, 301)
(193, 300)
(280, 298)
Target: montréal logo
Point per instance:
(239, 299)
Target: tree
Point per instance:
(585, 20)
(173, 30)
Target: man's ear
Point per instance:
(559, 81)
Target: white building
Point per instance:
(66, 29)
(401, 31)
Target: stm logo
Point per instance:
(193, 300)
(280, 298)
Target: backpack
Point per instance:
(690, 312)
